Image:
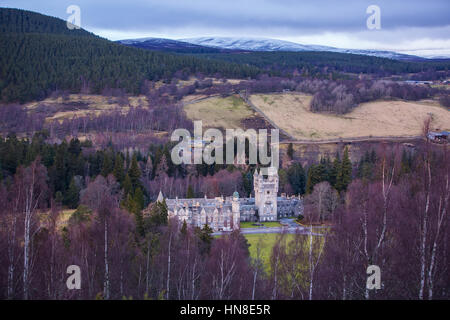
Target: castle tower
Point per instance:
(236, 211)
(266, 191)
(160, 197)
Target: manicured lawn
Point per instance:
(266, 242)
(266, 224)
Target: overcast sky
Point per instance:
(419, 27)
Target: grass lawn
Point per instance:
(266, 242)
(219, 112)
(292, 113)
(248, 224)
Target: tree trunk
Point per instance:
(11, 255)
(424, 236)
(106, 283)
(168, 268)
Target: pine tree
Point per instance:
(74, 147)
(296, 176)
(314, 177)
(138, 199)
(247, 181)
(59, 169)
(72, 197)
(164, 212)
(107, 165)
(135, 173)
(118, 170)
(190, 192)
(127, 185)
(345, 172)
(59, 197)
(205, 237)
(290, 151)
(159, 213)
(139, 218)
(335, 170)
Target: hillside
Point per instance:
(168, 45)
(291, 112)
(21, 21)
(263, 44)
(311, 62)
(215, 112)
(39, 54)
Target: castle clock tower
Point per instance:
(266, 191)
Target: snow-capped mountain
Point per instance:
(253, 44)
(161, 44)
(261, 44)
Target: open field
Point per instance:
(266, 242)
(220, 112)
(85, 104)
(378, 119)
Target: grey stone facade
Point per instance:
(224, 214)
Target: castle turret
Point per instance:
(236, 211)
(266, 191)
(160, 197)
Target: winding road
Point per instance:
(289, 226)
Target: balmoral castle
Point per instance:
(224, 214)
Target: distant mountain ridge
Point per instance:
(280, 56)
(230, 44)
(262, 44)
(169, 45)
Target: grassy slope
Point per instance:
(219, 112)
(379, 118)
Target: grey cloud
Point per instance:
(317, 15)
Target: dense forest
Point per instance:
(314, 63)
(22, 21)
(378, 208)
(34, 64)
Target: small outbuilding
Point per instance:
(439, 136)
